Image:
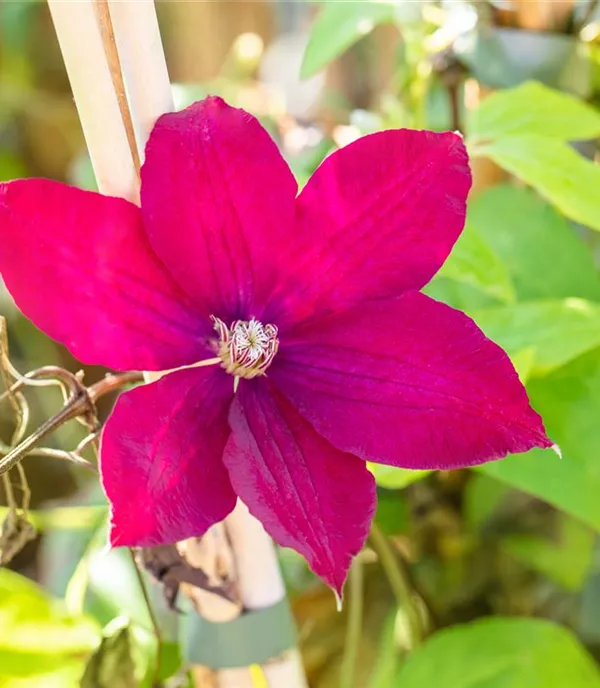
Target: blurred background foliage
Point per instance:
(481, 578)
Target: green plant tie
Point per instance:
(255, 637)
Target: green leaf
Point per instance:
(589, 610)
(558, 331)
(67, 517)
(523, 362)
(41, 644)
(565, 558)
(16, 22)
(459, 295)
(532, 107)
(483, 495)
(552, 167)
(393, 513)
(34, 671)
(338, 26)
(394, 478)
(11, 166)
(112, 665)
(169, 662)
(501, 653)
(30, 621)
(569, 402)
(542, 254)
(127, 658)
(473, 262)
(113, 579)
(388, 658)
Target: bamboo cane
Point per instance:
(542, 15)
(83, 35)
(82, 48)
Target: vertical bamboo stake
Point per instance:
(81, 28)
(543, 15)
(81, 44)
(143, 64)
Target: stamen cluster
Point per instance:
(247, 348)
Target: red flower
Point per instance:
(309, 301)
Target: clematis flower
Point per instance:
(299, 344)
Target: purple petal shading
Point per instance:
(308, 495)
(218, 203)
(80, 266)
(408, 382)
(161, 458)
(378, 217)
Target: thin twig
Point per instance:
(73, 408)
(353, 625)
(28, 381)
(113, 382)
(114, 63)
(399, 581)
(45, 376)
(9, 493)
(21, 412)
(143, 588)
(151, 614)
(25, 490)
(79, 404)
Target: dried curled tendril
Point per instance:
(79, 403)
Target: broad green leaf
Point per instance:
(114, 580)
(394, 478)
(473, 262)
(112, 665)
(569, 402)
(41, 644)
(393, 514)
(126, 658)
(501, 653)
(459, 295)
(338, 26)
(524, 361)
(77, 586)
(388, 658)
(565, 558)
(543, 255)
(11, 167)
(67, 517)
(589, 610)
(145, 657)
(558, 331)
(552, 167)
(16, 22)
(483, 495)
(35, 671)
(533, 107)
(571, 484)
(31, 621)
(170, 663)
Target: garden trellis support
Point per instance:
(114, 58)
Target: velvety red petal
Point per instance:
(218, 204)
(378, 217)
(161, 458)
(308, 495)
(80, 266)
(408, 382)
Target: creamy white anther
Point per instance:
(247, 348)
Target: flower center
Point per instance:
(247, 348)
